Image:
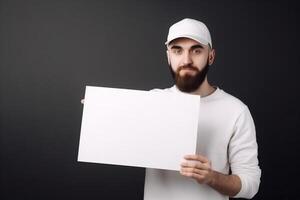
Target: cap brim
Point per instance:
(197, 39)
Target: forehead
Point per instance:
(185, 43)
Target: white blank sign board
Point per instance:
(138, 128)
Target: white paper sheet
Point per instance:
(138, 128)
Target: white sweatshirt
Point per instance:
(226, 136)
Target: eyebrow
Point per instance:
(192, 47)
(176, 47)
(197, 46)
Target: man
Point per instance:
(226, 164)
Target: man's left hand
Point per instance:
(197, 167)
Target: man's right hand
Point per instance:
(82, 101)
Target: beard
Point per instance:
(189, 83)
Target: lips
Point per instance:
(189, 69)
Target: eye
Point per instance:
(197, 51)
(177, 51)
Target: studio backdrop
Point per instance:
(51, 49)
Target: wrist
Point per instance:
(213, 179)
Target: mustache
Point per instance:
(190, 67)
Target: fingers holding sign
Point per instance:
(197, 167)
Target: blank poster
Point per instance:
(138, 128)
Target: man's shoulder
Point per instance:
(232, 102)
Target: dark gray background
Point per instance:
(49, 51)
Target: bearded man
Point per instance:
(226, 162)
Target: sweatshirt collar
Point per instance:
(210, 96)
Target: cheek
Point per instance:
(173, 65)
(201, 62)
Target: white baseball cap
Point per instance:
(190, 28)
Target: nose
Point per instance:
(186, 59)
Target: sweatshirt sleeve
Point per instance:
(243, 157)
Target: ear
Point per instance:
(168, 57)
(211, 56)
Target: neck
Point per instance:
(204, 89)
